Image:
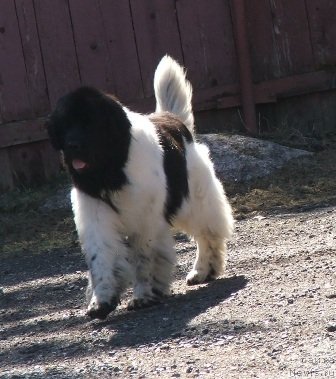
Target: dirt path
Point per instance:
(272, 316)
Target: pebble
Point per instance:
(331, 327)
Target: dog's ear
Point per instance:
(54, 133)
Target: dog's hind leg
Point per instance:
(210, 260)
(207, 216)
(211, 230)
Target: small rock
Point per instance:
(165, 347)
(331, 327)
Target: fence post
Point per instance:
(244, 62)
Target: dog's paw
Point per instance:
(101, 310)
(146, 302)
(198, 277)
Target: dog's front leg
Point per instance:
(142, 256)
(142, 290)
(109, 274)
(105, 252)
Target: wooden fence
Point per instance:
(48, 47)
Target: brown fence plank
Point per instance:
(37, 86)
(279, 38)
(260, 30)
(91, 44)
(22, 132)
(26, 164)
(322, 18)
(207, 42)
(227, 96)
(296, 85)
(122, 49)
(157, 34)
(14, 100)
(6, 177)
(292, 45)
(50, 158)
(103, 47)
(58, 48)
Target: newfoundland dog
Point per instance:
(136, 179)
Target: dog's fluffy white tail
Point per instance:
(173, 92)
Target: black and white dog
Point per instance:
(136, 179)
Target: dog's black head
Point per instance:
(93, 132)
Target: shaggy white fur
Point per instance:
(135, 245)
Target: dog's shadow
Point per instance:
(170, 319)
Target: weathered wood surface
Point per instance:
(207, 42)
(36, 81)
(322, 15)
(14, 97)
(58, 47)
(48, 47)
(156, 34)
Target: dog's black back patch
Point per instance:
(172, 133)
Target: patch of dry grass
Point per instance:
(294, 187)
(26, 227)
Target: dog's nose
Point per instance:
(73, 145)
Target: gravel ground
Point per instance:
(271, 316)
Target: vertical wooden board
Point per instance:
(37, 85)
(91, 44)
(322, 19)
(260, 32)
(292, 46)
(50, 158)
(58, 48)
(279, 38)
(328, 101)
(26, 165)
(295, 118)
(207, 42)
(218, 121)
(6, 178)
(14, 99)
(122, 49)
(157, 34)
(300, 116)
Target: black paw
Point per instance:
(101, 310)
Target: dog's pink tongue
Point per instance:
(77, 164)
